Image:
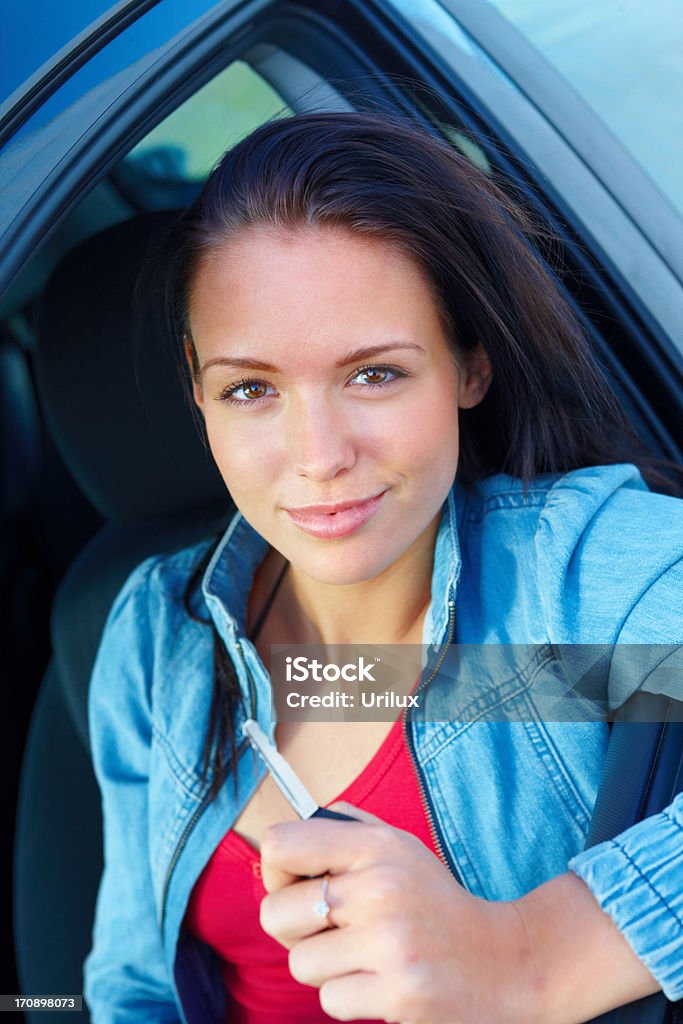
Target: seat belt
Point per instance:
(643, 772)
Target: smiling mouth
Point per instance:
(330, 522)
(332, 509)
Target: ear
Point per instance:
(475, 378)
(197, 387)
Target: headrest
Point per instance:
(112, 395)
(19, 431)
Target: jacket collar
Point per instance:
(229, 575)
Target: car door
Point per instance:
(86, 118)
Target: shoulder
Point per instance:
(599, 555)
(162, 581)
(567, 502)
(610, 558)
(151, 610)
(147, 625)
(608, 510)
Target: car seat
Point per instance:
(123, 426)
(118, 413)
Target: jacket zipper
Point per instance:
(426, 800)
(205, 801)
(178, 850)
(252, 688)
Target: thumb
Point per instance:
(355, 812)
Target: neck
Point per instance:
(388, 609)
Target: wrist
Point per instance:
(531, 982)
(581, 965)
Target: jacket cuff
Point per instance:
(637, 878)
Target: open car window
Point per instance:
(165, 170)
(168, 166)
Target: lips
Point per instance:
(315, 510)
(331, 521)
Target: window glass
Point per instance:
(624, 58)
(164, 171)
(168, 166)
(430, 18)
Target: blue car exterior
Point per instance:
(511, 800)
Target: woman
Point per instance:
(421, 451)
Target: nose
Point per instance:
(320, 441)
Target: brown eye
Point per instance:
(377, 376)
(374, 376)
(246, 392)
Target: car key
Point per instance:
(285, 778)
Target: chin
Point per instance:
(343, 567)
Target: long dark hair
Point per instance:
(549, 408)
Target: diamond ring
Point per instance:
(322, 908)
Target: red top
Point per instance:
(223, 910)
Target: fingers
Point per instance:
(366, 897)
(355, 812)
(354, 994)
(369, 970)
(275, 878)
(309, 961)
(313, 847)
(362, 995)
(363, 974)
(289, 915)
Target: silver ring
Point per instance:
(322, 907)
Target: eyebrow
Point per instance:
(350, 357)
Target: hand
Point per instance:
(403, 942)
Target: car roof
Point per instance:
(25, 50)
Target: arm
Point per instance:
(408, 944)
(635, 882)
(636, 879)
(125, 977)
(582, 963)
(610, 931)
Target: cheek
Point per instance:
(243, 462)
(429, 433)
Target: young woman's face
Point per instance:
(326, 379)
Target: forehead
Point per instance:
(266, 282)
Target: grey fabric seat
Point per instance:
(117, 411)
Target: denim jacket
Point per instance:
(590, 557)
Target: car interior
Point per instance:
(102, 465)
